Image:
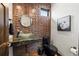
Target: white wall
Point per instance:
(64, 40)
(10, 11)
(10, 17)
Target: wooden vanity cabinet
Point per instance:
(19, 50)
(27, 48)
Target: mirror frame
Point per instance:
(30, 20)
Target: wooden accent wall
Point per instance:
(40, 24)
(3, 31)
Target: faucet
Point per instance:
(17, 34)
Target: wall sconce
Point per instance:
(33, 11)
(19, 11)
(18, 7)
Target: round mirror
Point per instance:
(25, 20)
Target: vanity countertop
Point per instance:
(16, 40)
(24, 42)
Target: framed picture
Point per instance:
(64, 23)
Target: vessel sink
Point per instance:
(26, 36)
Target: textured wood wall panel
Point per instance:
(3, 30)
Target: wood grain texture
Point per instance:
(3, 31)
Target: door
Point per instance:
(3, 28)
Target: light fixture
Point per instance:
(18, 7)
(19, 10)
(33, 10)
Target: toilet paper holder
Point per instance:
(74, 50)
(74, 47)
(9, 44)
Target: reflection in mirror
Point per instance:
(25, 21)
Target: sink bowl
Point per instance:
(26, 36)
